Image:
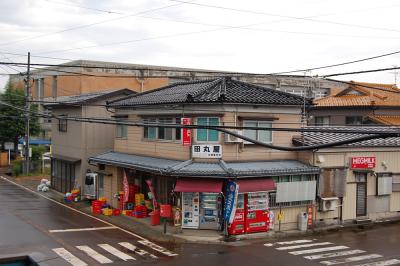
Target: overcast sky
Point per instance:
(247, 36)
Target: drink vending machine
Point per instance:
(190, 210)
(251, 214)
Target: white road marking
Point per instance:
(351, 259)
(316, 250)
(304, 246)
(82, 229)
(334, 254)
(301, 241)
(78, 211)
(381, 263)
(94, 254)
(157, 248)
(138, 251)
(116, 252)
(67, 256)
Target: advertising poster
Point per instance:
(231, 193)
(125, 184)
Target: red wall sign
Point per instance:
(186, 132)
(363, 162)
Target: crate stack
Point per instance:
(133, 190)
(139, 199)
(140, 211)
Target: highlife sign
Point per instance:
(207, 151)
(363, 162)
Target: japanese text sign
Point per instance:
(207, 151)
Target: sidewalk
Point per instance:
(174, 234)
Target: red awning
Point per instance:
(198, 185)
(253, 185)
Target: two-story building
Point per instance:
(360, 181)
(358, 104)
(74, 142)
(190, 171)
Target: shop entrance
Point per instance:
(361, 191)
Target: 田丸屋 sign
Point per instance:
(363, 162)
(207, 151)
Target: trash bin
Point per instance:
(155, 217)
(302, 221)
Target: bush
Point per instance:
(17, 168)
(37, 152)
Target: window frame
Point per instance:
(121, 131)
(323, 122)
(207, 130)
(63, 124)
(258, 131)
(174, 131)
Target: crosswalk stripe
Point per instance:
(334, 254)
(67, 256)
(351, 259)
(116, 252)
(381, 263)
(301, 241)
(316, 250)
(304, 246)
(138, 251)
(94, 254)
(157, 248)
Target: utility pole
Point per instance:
(27, 116)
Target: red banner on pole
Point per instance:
(186, 132)
(126, 187)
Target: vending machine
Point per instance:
(257, 215)
(237, 226)
(190, 210)
(209, 218)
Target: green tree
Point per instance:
(12, 121)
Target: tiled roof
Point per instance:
(363, 94)
(86, 97)
(197, 169)
(386, 119)
(320, 137)
(220, 90)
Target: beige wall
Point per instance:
(82, 140)
(387, 160)
(229, 115)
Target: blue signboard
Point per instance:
(231, 193)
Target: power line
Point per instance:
(85, 7)
(91, 24)
(254, 12)
(360, 72)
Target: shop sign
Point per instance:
(186, 132)
(8, 146)
(310, 212)
(231, 195)
(363, 162)
(207, 151)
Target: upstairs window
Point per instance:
(260, 135)
(322, 120)
(122, 131)
(62, 124)
(358, 120)
(162, 133)
(207, 134)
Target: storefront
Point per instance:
(202, 203)
(196, 190)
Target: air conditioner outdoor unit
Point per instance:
(328, 204)
(233, 139)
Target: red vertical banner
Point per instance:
(186, 132)
(310, 212)
(125, 184)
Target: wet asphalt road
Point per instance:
(28, 221)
